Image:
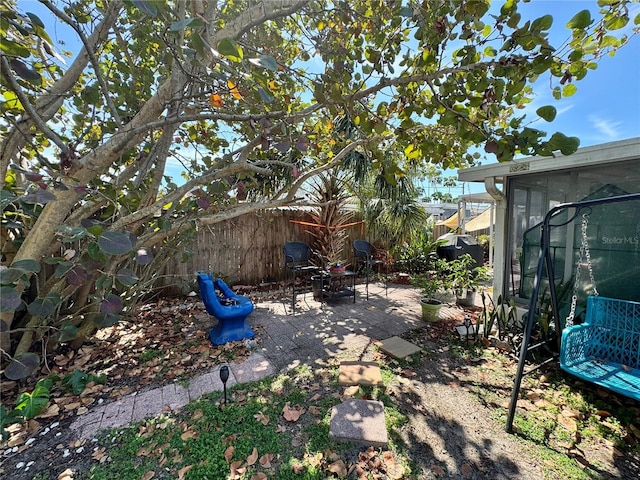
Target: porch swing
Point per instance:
(604, 348)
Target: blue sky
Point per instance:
(606, 107)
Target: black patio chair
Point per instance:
(365, 260)
(297, 261)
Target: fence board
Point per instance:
(245, 250)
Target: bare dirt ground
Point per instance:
(454, 402)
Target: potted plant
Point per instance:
(434, 286)
(465, 278)
(336, 267)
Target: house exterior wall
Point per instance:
(526, 189)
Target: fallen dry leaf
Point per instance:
(188, 435)
(292, 414)
(572, 413)
(314, 460)
(568, 423)
(265, 460)
(148, 476)
(466, 470)
(262, 418)
(351, 391)
(183, 471)
(197, 415)
(338, 467)
(143, 452)
(253, 458)
(259, 476)
(66, 475)
(51, 411)
(228, 453)
(313, 410)
(437, 470)
(237, 470)
(297, 468)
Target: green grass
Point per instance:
(197, 438)
(149, 354)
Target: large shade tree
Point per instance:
(245, 96)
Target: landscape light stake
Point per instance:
(467, 324)
(224, 376)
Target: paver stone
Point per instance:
(398, 347)
(360, 373)
(360, 421)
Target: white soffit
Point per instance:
(595, 155)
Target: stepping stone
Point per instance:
(359, 421)
(360, 373)
(398, 347)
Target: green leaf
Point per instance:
(22, 366)
(68, 331)
(62, 268)
(25, 72)
(145, 7)
(7, 417)
(72, 234)
(189, 22)
(569, 90)
(265, 96)
(77, 381)
(35, 20)
(9, 299)
(580, 20)
(198, 43)
(548, 113)
(8, 276)
(126, 277)
(230, 49)
(265, 61)
(6, 198)
(39, 196)
(115, 243)
(31, 405)
(566, 145)
(616, 22)
(44, 307)
(13, 49)
(94, 251)
(107, 320)
(543, 23)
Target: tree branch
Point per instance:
(29, 109)
(92, 57)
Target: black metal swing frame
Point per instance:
(545, 262)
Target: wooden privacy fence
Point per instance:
(247, 250)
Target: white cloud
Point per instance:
(608, 129)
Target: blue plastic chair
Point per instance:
(231, 310)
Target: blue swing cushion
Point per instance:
(605, 349)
